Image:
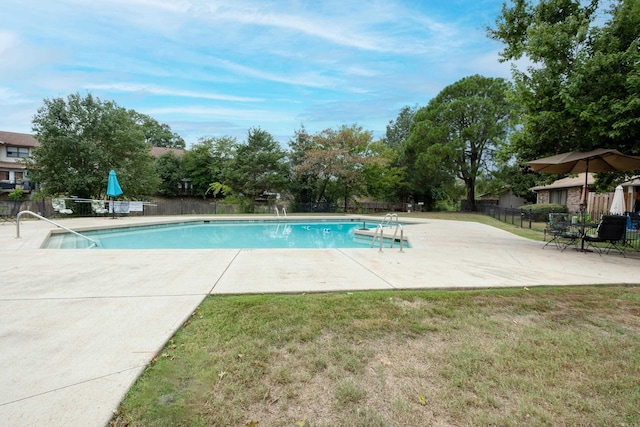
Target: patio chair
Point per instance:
(97, 206)
(562, 232)
(612, 231)
(60, 207)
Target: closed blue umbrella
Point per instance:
(113, 189)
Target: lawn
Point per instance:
(510, 357)
(542, 356)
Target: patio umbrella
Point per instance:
(617, 206)
(113, 189)
(598, 160)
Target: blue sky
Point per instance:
(215, 68)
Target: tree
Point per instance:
(458, 133)
(157, 134)
(209, 161)
(582, 89)
(383, 179)
(303, 182)
(81, 140)
(259, 166)
(168, 166)
(398, 131)
(338, 158)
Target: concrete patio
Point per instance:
(77, 327)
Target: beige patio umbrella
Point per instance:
(598, 160)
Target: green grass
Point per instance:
(544, 357)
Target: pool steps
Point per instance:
(88, 239)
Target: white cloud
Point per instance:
(155, 90)
(12, 97)
(238, 114)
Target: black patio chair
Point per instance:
(612, 231)
(562, 232)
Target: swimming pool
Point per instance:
(224, 235)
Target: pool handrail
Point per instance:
(390, 220)
(50, 222)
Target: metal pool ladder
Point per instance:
(390, 219)
(284, 212)
(94, 243)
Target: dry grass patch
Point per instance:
(567, 356)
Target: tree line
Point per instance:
(579, 90)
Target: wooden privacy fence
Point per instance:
(599, 204)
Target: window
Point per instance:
(558, 197)
(18, 176)
(17, 151)
(4, 175)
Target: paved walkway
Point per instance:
(77, 327)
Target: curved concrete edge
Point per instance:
(77, 327)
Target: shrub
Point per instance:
(17, 194)
(540, 212)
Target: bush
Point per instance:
(540, 212)
(17, 194)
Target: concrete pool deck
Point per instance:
(77, 326)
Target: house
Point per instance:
(13, 147)
(505, 198)
(565, 191)
(632, 194)
(159, 151)
(509, 200)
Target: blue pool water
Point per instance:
(223, 235)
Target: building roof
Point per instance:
(26, 140)
(159, 151)
(633, 182)
(576, 181)
(18, 139)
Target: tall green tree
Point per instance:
(158, 134)
(384, 180)
(457, 135)
(260, 166)
(582, 87)
(208, 161)
(303, 182)
(398, 130)
(81, 140)
(168, 166)
(396, 136)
